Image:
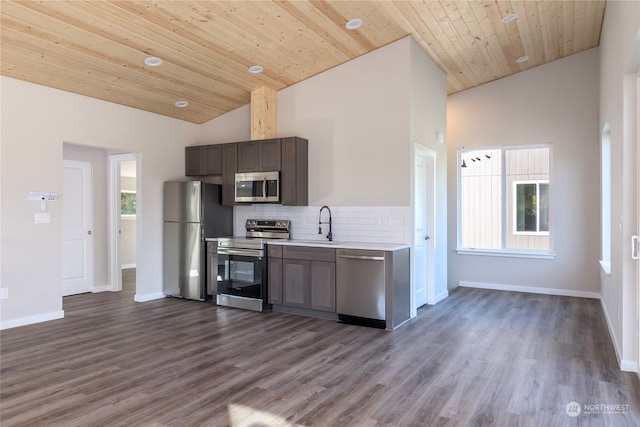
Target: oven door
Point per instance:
(241, 274)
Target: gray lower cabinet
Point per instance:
(302, 277)
(295, 283)
(323, 286)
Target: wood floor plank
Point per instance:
(479, 358)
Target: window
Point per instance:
(127, 203)
(531, 207)
(504, 200)
(605, 182)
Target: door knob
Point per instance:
(89, 232)
(426, 237)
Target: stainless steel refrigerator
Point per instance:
(192, 212)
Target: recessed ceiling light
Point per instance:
(522, 59)
(508, 18)
(353, 24)
(182, 104)
(256, 69)
(152, 61)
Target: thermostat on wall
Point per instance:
(41, 195)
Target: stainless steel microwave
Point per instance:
(258, 187)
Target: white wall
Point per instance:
(619, 62)
(36, 121)
(428, 117)
(555, 103)
(356, 117)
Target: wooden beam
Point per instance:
(264, 113)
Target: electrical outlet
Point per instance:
(4, 293)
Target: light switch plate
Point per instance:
(4, 293)
(42, 218)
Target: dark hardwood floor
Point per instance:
(477, 358)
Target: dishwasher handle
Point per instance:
(368, 258)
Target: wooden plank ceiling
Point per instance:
(97, 48)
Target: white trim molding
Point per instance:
(529, 289)
(625, 365)
(148, 297)
(128, 266)
(441, 296)
(29, 320)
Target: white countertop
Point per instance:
(341, 245)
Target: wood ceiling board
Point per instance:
(97, 47)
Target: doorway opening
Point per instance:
(124, 216)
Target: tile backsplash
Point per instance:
(370, 224)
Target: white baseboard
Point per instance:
(441, 296)
(127, 266)
(625, 365)
(628, 366)
(102, 288)
(30, 320)
(529, 289)
(611, 334)
(149, 297)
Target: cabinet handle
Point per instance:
(634, 247)
(368, 258)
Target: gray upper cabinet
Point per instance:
(294, 178)
(259, 156)
(203, 160)
(229, 169)
(289, 156)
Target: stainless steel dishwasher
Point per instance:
(360, 287)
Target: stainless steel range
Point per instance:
(244, 281)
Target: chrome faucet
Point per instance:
(330, 234)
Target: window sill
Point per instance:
(507, 254)
(606, 267)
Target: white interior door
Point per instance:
(77, 228)
(420, 236)
(424, 227)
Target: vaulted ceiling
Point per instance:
(97, 48)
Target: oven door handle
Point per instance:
(240, 251)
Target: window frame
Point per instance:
(515, 207)
(504, 251)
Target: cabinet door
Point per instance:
(270, 155)
(248, 157)
(193, 161)
(295, 172)
(274, 291)
(212, 160)
(323, 286)
(229, 169)
(295, 292)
